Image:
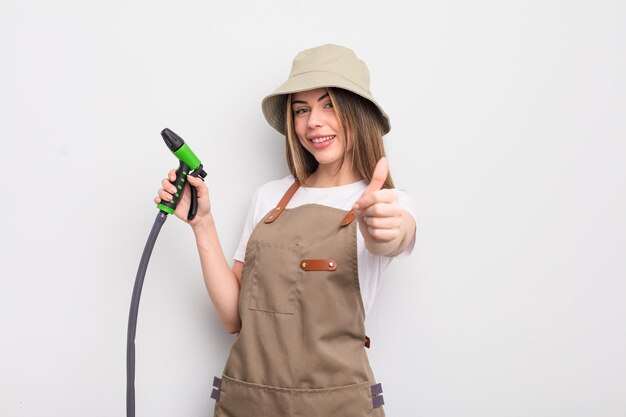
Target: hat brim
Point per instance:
(273, 105)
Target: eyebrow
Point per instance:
(304, 102)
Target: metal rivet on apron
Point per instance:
(348, 219)
(331, 264)
(303, 264)
(270, 217)
(278, 208)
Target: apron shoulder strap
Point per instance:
(283, 202)
(273, 215)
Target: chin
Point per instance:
(328, 161)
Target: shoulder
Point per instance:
(279, 185)
(267, 195)
(273, 190)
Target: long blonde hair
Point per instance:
(362, 126)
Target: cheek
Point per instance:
(300, 136)
(299, 126)
(301, 141)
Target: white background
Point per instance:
(508, 129)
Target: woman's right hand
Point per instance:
(182, 209)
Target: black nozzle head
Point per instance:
(172, 140)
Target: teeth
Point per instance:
(323, 139)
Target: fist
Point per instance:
(378, 211)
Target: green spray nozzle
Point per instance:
(179, 148)
(189, 165)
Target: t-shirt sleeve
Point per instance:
(248, 227)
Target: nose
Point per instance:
(316, 118)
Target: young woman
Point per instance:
(312, 251)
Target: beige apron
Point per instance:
(300, 351)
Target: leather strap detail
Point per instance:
(217, 384)
(318, 264)
(377, 389)
(377, 395)
(367, 342)
(283, 202)
(348, 219)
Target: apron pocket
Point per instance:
(348, 401)
(245, 399)
(275, 276)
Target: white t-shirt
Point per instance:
(343, 197)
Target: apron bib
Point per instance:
(300, 351)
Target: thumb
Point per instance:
(198, 183)
(378, 177)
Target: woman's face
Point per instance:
(317, 126)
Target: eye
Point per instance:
(300, 111)
(328, 105)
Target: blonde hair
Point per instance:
(362, 126)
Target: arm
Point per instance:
(221, 281)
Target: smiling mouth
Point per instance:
(322, 139)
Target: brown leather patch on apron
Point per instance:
(318, 265)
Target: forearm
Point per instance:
(399, 243)
(221, 282)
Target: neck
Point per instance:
(327, 176)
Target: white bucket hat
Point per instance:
(323, 66)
